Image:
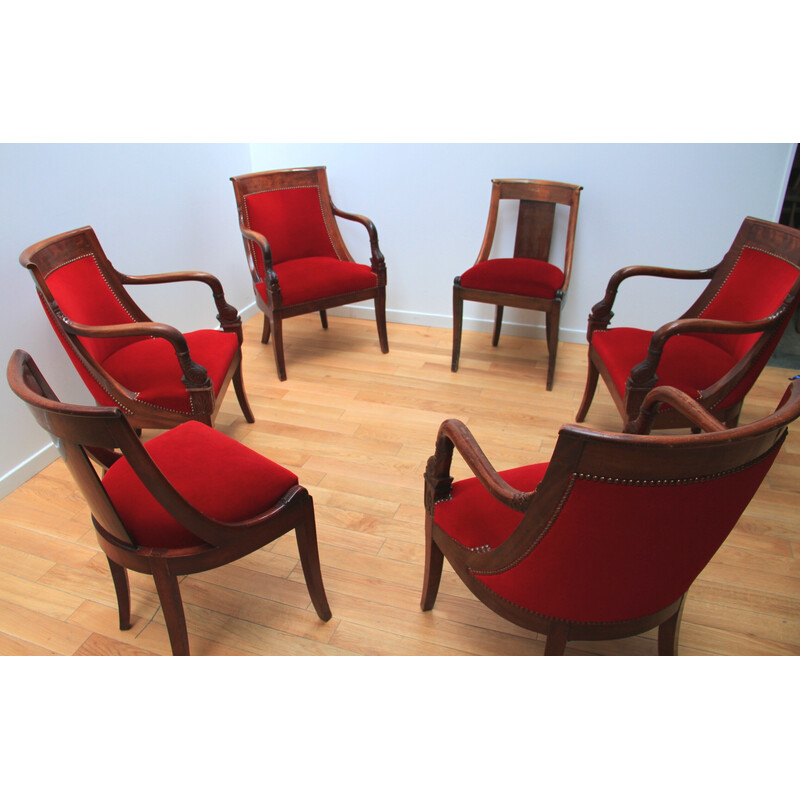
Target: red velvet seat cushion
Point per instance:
(524, 276)
(474, 518)
(150, 367)
(305, 279)
(689, 363)
(219, 476)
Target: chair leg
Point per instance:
(669, 631)
(498, 323)
(588, 392)
(556, 640)
(277, 344)
(306, 533)
(265, 331)
(552, 320)
(169, 594)
(434, 560)
(123, 589)
(323, 315)
(241, 396)
(380, 319)
(458, 311)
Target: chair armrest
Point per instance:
(377, 260)
(194, 376)
(644, 372)
(227, 315)
(266, 255)
(601, 313)
(453, 433)
(681, 402)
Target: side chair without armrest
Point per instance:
(189, 500)
(605, 540)
(528, 280)
(297, 258)
(718, 348)
(157, 375)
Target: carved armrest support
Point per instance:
(270, 277)
(377, 261)
(454, 434)
(643, 375)
(194, 376)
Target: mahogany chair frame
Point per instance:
(776, 239)
(43, 258)
(581, 452)
(537, 206)
(85, 434)
(273, 307)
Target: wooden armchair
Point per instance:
(297, 258)
(605, 540)
(189, 500)
(528, 280)
(157, 375)
(717, 349)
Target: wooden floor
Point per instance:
(357, 427)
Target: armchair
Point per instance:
(297, 258)
(717, 349)
(605, 540)
(157, 375)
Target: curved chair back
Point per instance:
(292, 209)
(606, 539)
(718, 348)
(188, 500)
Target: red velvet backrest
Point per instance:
(632, 525)
(84, 295)
(754, 289)
(291, 220)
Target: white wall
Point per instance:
(164, 207)
(155, 208)
(666, 204)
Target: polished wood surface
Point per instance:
(357, 428)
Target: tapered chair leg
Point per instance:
(458, 311)
(277, 343)
(588, 392)
(380, 319)
(669, 631)
(169, 594)
(122, 588)
(552, 320)
(556, 640)
(434, 560)
(265, 331)
(323, 315)
(241, 395)
(307, 546)
(498, 323)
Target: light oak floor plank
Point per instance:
(357, 427)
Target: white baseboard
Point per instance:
(15, 477)
(468, 324)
